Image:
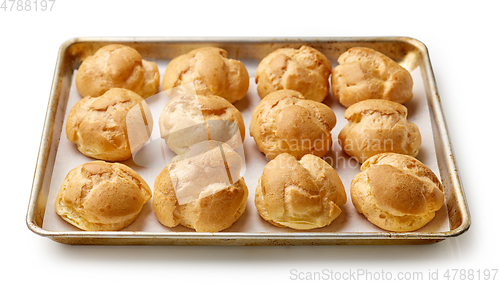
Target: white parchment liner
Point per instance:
(156, 154)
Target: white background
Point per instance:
(463, 43)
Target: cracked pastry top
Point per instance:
(305, 70)
(300, 194)
(396, 192)
(378, 126)
(286, 122)
(203, 192)
(101, 196)
(110, 127)
(211, 72)
(364, 73)
(117, 66)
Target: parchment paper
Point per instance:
(68, 157)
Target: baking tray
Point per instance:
(409, 52)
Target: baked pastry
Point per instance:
(101, 196)
(378, 126)
(364, 73)
(189, 119)
(396, 192)
(110, 127)
(285, 122)
(204, 192)
(211, 72)
(302, 195)
(305, 70)
(117, 66)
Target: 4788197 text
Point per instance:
(27, 5)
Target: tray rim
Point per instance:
(263, 238)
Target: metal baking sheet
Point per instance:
(410, 53)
